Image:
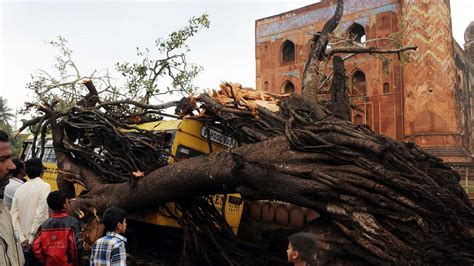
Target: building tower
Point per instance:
(469, 42)
(431, 109)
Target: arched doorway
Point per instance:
(288, 87)
(358, 120)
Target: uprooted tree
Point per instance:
(382, 201)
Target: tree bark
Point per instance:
(340, 105)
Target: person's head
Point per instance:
(301, 247)
(114, 220)
(6, 164)
(19, 172)
(57, 201)
(34, 168)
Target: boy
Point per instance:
(301, 249)
(110, 249)
(57, 241)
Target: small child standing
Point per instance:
(110, 249)
(301, 249)
(57, 241)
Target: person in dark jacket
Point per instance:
(57, 241)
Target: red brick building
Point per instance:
(426, 99)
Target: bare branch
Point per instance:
(138, 104)
(28, 123)
(367, 50)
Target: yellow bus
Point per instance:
(187, 138)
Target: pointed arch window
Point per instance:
(266, 86)
(288, 87)
(358, 120)
(359, 86)
(288, 51)
(386, 88)
(357, 33)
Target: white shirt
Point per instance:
(29, 208)
(10, 189)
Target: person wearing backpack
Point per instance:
(57, 241)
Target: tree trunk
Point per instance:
(340, 105)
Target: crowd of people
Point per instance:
(36, 229)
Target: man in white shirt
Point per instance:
(16, 180)
(29, 207)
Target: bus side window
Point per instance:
(184, 152)
(23, 151)
(26, 151)
(49, 155)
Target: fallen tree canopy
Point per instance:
(390, 202)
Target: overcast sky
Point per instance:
(102, 33)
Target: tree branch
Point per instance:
(138, 104)
(311, 77)
(367, 50)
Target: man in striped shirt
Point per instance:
(110, 249)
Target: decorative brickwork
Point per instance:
(430, 107)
